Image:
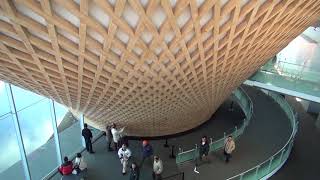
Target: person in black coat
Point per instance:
(134, 172)
(87, 135)
(204, 148)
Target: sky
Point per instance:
(34, 113)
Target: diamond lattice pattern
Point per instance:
(157, 67)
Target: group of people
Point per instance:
(120, 143)
(229, 147)
(68, 167)
(79, 166)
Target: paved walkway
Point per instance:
(106, 165)
(303, 162)
(266, 134)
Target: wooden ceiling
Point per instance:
(157, 67)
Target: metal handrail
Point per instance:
(293, 120)
(280, 67)
(249, 115)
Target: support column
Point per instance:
(318, 121)
(15, 118)
(81, 120)
(55, 134)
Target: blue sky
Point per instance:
(35, 116)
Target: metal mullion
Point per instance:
(18, 133)
(56, 134)
(81, 120)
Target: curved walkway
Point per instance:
(303, 162)
(266, 134)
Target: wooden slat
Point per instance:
(159, 77)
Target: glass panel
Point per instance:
(69, 131)
(24, 98)
(94, 131)
(4, 105)
(275, 162)
(250, 175)
(263, 170)
(10, 159)
(186, 156)
(37, 133)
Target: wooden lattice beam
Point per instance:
(157, 67)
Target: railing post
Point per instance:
(81, 120)
(166, 144)
(256, 174)
(241, 176)
(178, 155)
(17, 128)
(282, 155)
(270, 163)
(172, 152)
(195, 152)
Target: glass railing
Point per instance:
(277, 80)
(297, 71)
(240, 96)
(275, 162)
(281, 73)
(293, 68)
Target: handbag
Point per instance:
(76, 168)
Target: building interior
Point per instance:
(169, 72)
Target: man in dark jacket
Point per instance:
(109, 137)
(147, 151)
(204, 148)
(87, 135)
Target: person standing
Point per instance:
(87, 135)
(229, 147)
(204, 148)
(116, 135)
(134, 172)
(109, 137)
(147, 152)
(124, 154)
(157, 168)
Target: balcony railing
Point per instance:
(270, 166)
(246, 105)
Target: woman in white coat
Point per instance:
(79, 165)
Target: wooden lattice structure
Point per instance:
(158, 67)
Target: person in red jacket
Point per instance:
(67, 167)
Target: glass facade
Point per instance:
(68, 125)
(9, 151)
(35, 134)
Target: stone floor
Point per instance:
(266, 134)
(106, 165)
